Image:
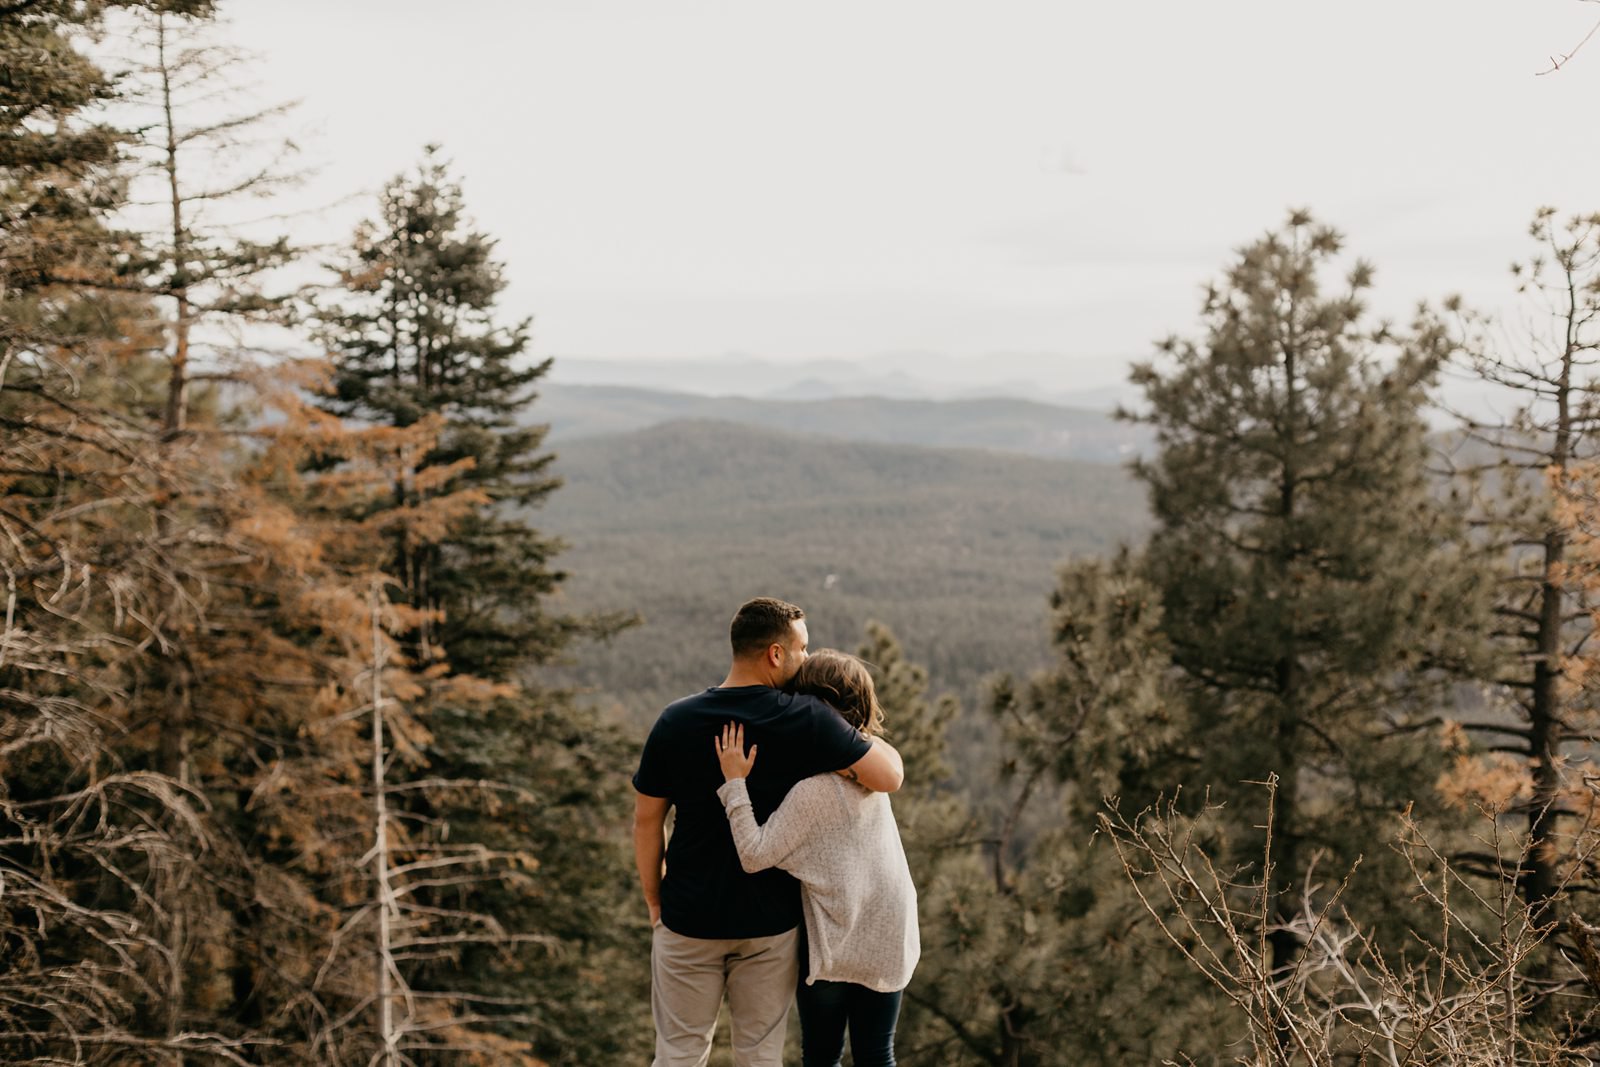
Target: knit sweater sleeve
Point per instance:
(809, 810)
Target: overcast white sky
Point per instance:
(822, 178)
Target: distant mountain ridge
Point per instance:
(1086, 383)
(1098, 382)
(998, 423)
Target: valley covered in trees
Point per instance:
(1274, 746)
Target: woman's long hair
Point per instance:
(843, 681)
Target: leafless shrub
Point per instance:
(1484, 983)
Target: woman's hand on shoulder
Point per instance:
(731, 754)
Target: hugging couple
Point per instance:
(785, 876)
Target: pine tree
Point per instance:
(1315, 586)
(422, 339)
(418, 337)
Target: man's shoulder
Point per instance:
(684, 705)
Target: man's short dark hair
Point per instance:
(762, 623)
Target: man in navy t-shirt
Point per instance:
(716, 928)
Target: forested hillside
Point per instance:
(951, 547)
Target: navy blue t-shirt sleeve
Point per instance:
(836, 744)
(655, 764)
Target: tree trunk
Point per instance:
(1544, 707)
(384, 890)
(1544, 740)
(175, 731)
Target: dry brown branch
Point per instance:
(1467, 994)
(1557, 62)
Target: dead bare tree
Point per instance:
(398, 925)
(1519, 465)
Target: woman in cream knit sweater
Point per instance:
(841, 842)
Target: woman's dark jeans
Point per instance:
(826, 1008)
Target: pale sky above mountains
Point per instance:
(839, 179)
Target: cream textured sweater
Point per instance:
(841, 842)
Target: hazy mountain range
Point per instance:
(998, 423)
(1098, 383)
(1084, 383)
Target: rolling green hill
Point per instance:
(1006, 424)
(954, 548)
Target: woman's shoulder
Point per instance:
(819, 785)
(841, 793)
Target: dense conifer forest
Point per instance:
(322, 669)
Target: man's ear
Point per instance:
(774, 654)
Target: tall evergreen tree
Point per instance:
(422, 338)
(417, 337)
(1315, 585)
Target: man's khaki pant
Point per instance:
(687, 978)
